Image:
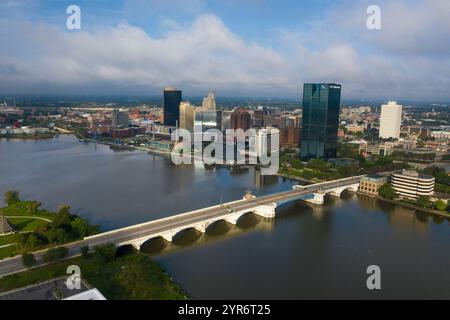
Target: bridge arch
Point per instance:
(154, 244)
(215, 222)
(337, 192)
(179, 232)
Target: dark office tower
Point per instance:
(321, 103)
(172, 100)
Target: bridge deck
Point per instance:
(123, 235)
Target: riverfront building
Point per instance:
(371, 184)
(120, 118)
(391, 120)
(321, 104)
(411, 184)
(205, 120)
(187, 114)
(172, 101)
(240, 119)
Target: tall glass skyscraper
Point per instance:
(172, 100)
(321, 104)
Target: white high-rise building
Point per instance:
(261, 142)
(391, 120)
(209, 103)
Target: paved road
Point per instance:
(14, 265)
(29, 217)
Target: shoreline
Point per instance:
(42, 270)
(27, 137)
(295, 178)
(431, 212)
(131, 148)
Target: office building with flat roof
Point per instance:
(371, 184)
(411, 184)
(240, 119)
(321, 104)
(187, 114)
(390, 120)
(172, 101)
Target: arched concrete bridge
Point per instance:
(265, 206)
(200, 220)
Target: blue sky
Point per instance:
(235, 47)
(251, 19)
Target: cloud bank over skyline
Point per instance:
(409, 58)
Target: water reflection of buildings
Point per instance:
(408, 218)
(264, 181)
(369, 203)
(398, 216)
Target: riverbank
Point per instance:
(407, 205)
(128, 276)
(149, 150)
(132, 276)
(24, 136)
(295, 178)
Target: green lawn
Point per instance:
(21, 209)
(7, 239)
(25, 224)
(134, 276)
(7, 252)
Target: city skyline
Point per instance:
(137, 48)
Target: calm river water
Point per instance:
(304, 253)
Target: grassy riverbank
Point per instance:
(23, 221)
(133, 276)
(36, 228)
(409, 205)
(116, 273)
(25, 136)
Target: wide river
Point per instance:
(304, 253)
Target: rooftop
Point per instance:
(415, 174)
(374, 177)
(5, 226)
(93, 294)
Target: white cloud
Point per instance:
(207, 55)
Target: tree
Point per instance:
(28, 260)
(296, 164)
(33, 241)
(347, 170)
(62, 236)
(387, 191)
(80, 226)
(84, 252)
(12, 197)
(383, 161)
(105, 253)
(33, 207)
(317, 164)
(423, 201)
(51, 235)
(63, 218)
(55, 254)
(440, 205)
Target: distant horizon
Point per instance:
(109, 98)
